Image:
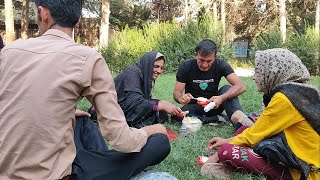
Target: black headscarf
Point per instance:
(134, 87)
(144, 68)
(305, 99)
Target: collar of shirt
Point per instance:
(59, 33)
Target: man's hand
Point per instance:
(153, 129)
(217, 100)
(169, 108)
(81, 113)
(185, 99)
(178, 95)
(217, 142)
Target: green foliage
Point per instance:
(271, 38)
(165, 10)
(304, 45)
(127, 14)
(243, 63)
(175, 41)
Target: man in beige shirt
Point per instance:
(41, 80)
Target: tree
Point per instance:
(186, 11)
(25, 19)
(223, 20)
(300, 14)
(166, 10)
(129, 14)
(215, 14)
(283, 21)
(317, 26)
(104, 27)
(10, 34)
(317, 21)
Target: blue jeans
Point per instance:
(95, 161)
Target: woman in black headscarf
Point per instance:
(134, 88)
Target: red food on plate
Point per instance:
(172, 135)
(201, 160)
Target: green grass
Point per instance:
(181, 162)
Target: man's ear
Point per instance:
(78, 23)
(39, 14)
(43, 13)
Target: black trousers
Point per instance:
(94, 161)
(230, 106)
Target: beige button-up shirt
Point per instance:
(41, 80)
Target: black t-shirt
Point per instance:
(202, 83)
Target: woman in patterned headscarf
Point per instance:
(287, 132)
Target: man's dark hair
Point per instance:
(206, 47)
(65, 13)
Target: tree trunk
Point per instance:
(186, 11)
(10, 34)
(194, 8)
(223, 20)
(104, 27)
(317, 24)
(317, 27)
(215, 14)
(25, 19)
(283, 20)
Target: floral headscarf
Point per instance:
(277, 66)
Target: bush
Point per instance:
(269, 39)
(177, 42)
(305, 46)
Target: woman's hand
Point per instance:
(217, 142)
(81, 113)
(169, 108)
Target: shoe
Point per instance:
(215, 170)
(222, 119)
(93, 113)
(162, 117)
(218, 119)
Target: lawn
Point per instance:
(181, 162)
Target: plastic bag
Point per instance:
(190, 125)
(154, 175)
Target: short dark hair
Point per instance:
(65, 13)
(206, 47)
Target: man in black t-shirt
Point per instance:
(200, 77)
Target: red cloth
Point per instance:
(172, 135)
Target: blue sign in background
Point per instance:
(241, 49)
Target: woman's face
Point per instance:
(157, 68)
(256, 80)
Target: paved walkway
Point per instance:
(242, 72)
